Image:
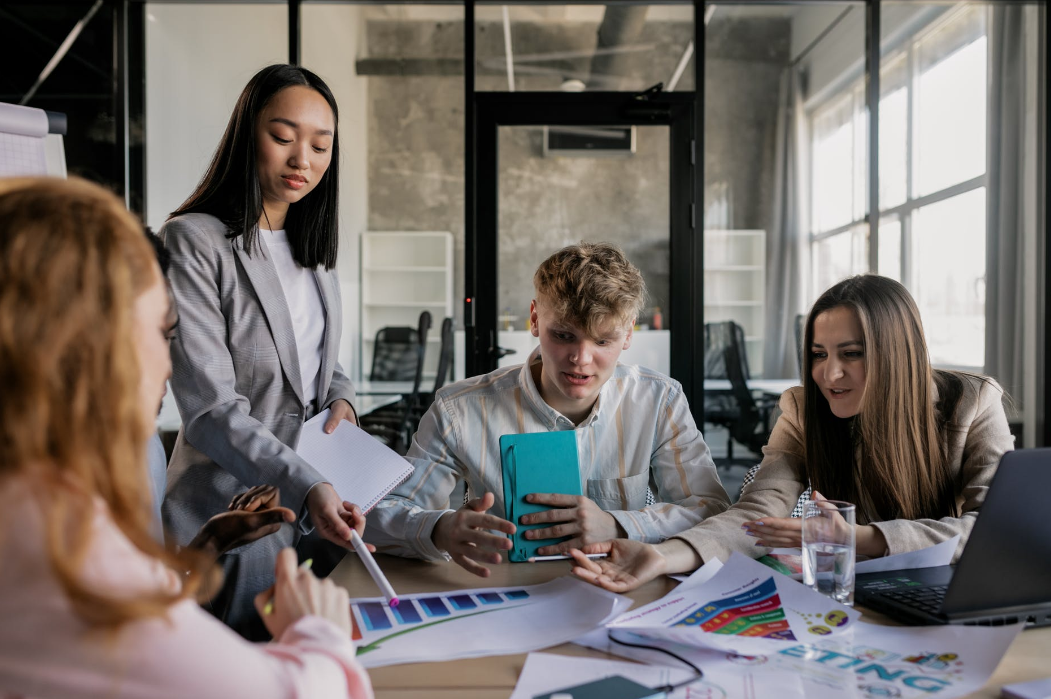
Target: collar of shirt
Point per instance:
(554, 419)
(278, 237)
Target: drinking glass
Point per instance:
(829, 548)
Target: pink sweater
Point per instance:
(47, 651)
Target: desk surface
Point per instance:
(495, 677)
(382, 388)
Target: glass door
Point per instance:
(559, 185)
(556, 168)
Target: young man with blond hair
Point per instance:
(645, 469)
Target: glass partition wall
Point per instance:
(792, 199)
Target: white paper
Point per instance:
(744, 608)
(359, 466)
(699, 576)
(790, 561)
(930, 557)
(22, 145)
(1037, 689)
(547, 672)
(865, 662)
(479, 622)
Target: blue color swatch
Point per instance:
(375, 616)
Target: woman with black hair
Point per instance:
(253, 250)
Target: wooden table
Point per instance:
(1029, 658)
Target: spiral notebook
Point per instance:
(360, 467)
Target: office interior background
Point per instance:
(785, 163)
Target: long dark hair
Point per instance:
(899, 433)
(230, 188)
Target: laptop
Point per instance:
(1004, 574)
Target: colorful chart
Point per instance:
(755, 613)
(421, 611)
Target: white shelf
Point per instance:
(736, 262)
(412, 272)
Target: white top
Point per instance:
(304, 303)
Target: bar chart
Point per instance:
(476, 622)
(414, 610)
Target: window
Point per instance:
(932, 137)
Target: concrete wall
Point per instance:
(415, 142)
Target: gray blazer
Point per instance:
(235, 376)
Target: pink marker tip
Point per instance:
(394, 602)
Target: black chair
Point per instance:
(720, 408)
(745, 417)
(797, 511)
(395, 353)
(752, 426)
(392, 425)
(445, 362)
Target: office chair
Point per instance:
(394, 354)
(720, 408)
(797, 511)
(392, 425)
(744, 416)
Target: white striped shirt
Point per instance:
(639, 435)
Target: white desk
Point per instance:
(773, 387)
(170, 421)
(382, 388)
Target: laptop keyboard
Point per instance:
(926, 599)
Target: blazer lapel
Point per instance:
(267, 284)
(333, 323)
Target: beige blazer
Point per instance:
(978, 436)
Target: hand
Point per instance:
(252, 515)
(786, 532)
(332, 517)
(341, 410)
(776, 532)
(297, 593)
(583, 520)
(629, 565)
(462, 534)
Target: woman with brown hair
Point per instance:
(874, 424)
(92, 605)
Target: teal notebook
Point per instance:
(540, 462)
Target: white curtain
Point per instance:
(787, 243)
(1011, 203)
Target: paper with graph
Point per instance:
(744, 607)
(479, 622)
(23, 149)
(866, 662)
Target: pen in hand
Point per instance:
(269, 608)
(374, 569)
